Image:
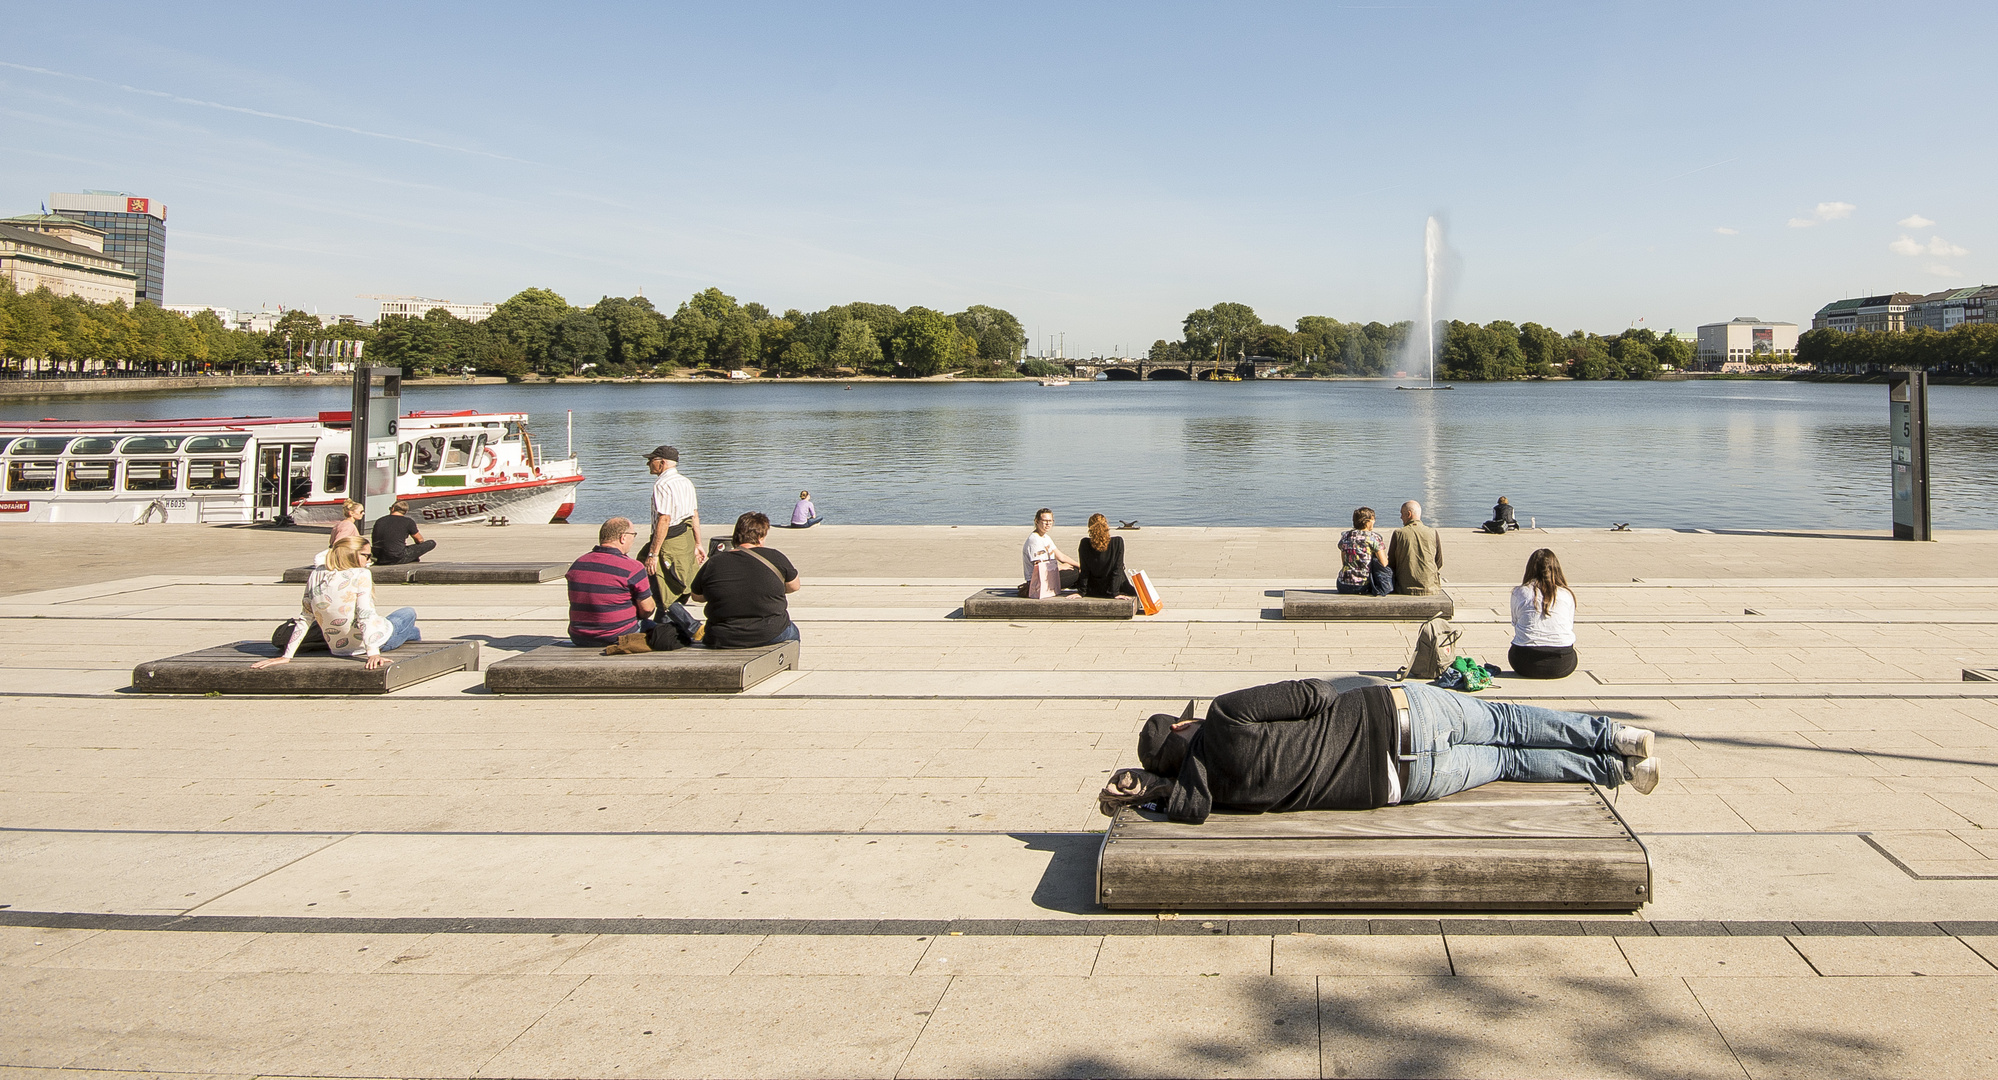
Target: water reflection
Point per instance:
(1713, 455)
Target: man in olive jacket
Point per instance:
(1416, 554)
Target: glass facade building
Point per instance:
(134, 230)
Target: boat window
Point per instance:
(3, 444)
(459, 455)
(92, 475)
(513, 430)
(31, 475)
(151, 444)
(216, 444)
(336, 474)
(214, 474)
(94, 446)
(151, 474)
(402, 459)
(40, 446)
(429, 454)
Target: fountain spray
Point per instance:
(1432, 242)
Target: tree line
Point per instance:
(43, 332)
(1318, 345)
(538, 331)
(1969, 349)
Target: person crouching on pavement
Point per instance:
(1304, 746)
(745, 589)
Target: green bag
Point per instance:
(1470, 675)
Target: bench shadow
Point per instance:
(514, 642)
(1069, 883)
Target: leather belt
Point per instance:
(1404, 746)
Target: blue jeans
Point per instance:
(790, 634)
(402, 623)
(1462, 741)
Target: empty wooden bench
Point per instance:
(1329, 604)
(569, 669)
(226, 669)
(1009, 604)
(1500, 847)
(506, 573)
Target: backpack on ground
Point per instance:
(315, 639)
(1435, 649)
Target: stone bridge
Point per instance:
(1135, 368)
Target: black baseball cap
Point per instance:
(670, 453)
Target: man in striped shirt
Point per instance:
(609, 593)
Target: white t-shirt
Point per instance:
(1554, 630)
(1038, 549)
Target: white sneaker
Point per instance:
(1636, 742)
(1641, 773)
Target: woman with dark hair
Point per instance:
(745, 590)
(1102, 556)
(1543, 621)
(1363, 563)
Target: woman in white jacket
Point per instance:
(341, 599)
(1543, 621)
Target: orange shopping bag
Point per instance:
(1148, 597)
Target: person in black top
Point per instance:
(392, 537)
(1502, 520)
(1102, 558)
(744, 590)
(1305, 745)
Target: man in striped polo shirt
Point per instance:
(609, 593)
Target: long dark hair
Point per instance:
(1543, 572)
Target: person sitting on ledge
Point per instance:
(744, 589)
(1502, 520)
(1363, 561)
(340, 599)
(393, 533)
(1040, 548)
(610, 595)
(1101, 573)
(1416, 554)
(349, 523)
(1303, 745)
(1543, 621)
(805, 515)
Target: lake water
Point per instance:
(1699, 454)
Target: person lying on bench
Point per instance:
(340, 599)
(1304, 746)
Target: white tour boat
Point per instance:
(450, 467)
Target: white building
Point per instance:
(65, 256)
(227, 315)
(416, 307)
(1746, 340)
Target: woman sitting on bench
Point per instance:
(1304, 746)
(340, 600)
(1102, 558)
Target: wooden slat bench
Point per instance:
(1500, 847)
(512, 573)
(1328, 604)
(1009, 604)
(226, 669)
(563, 668)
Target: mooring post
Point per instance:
(1908, 424)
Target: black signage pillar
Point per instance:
(1908, 423)
(371, 451)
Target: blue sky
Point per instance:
(1099, 170)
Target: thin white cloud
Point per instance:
(1826, 211)
(1940, 270)
(176, 98)
(1914, 221)
(1937, 246)
(1725, 231)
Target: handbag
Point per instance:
(315, 638)
(1045, 580)
(1148, 594)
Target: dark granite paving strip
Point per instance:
(1083, 927)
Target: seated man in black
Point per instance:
(392, 537)
(1502, 520)
(744, 590)
(1305, 746)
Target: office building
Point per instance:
(416, 307)
(65, 256)
(134, 231)
(227, 315)
(1952, 308)
(1746, 340)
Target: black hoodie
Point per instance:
(1288, 746)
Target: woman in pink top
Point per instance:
(349, 524)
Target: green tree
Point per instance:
(857, 347)
(996, 333)
(1224, 326)
(635, 329)
(1675, 351)
(924, 342)
(527, 321)
(1541, 349)
(577, 342)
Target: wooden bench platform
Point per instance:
(509, 573)
(1500, 847)
(1329, 604)
(226, 669)
(1009, 604)
(569, 669)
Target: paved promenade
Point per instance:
(880, 865)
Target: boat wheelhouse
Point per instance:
(459, 466)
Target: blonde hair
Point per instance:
(1099, 532)
(347, 554)
(347, 508)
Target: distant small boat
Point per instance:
(1054, 382)
(1425, 388)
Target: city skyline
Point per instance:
(1097, 172)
